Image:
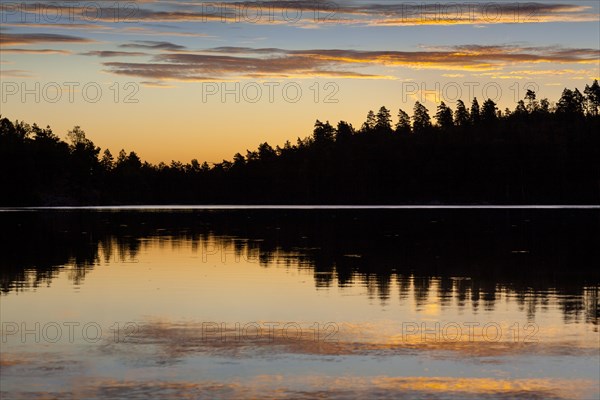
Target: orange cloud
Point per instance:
(230, 62)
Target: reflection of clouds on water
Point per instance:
(166, 343)
(331, 387)
(70, 380)
(39, 364)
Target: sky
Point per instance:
(182, 80)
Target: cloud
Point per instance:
(11, 39)
(158, 72)
(35, 51)
(109, 53)
(242, 62)
(366, 13)
(459, 57)
(39, 25)
(206, 67)
(477, 14)
(153, 45)
(157, 84)
(315, 14)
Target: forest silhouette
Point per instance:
(540, 152)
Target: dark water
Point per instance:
(300, 303)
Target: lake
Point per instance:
(183, 302)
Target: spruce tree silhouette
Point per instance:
(540, 153)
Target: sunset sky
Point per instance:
(149, 75)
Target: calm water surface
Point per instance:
(139, 303)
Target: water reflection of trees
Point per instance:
(465, 259)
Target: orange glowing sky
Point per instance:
(178, 80)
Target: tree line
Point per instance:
(539, 152)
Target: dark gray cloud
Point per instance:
(326, 11)
(34, 51)
(11, 39)
(153, 45)
(226, 62)
(109, 53)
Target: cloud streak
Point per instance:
(11, 39)
(109, 53)
(35, 51)
(153, 45)
(242, 62)
(303, 12)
